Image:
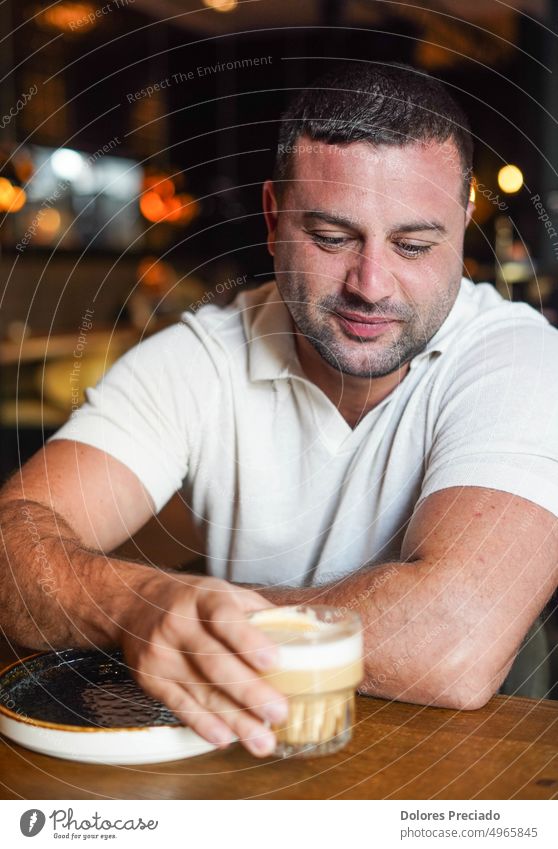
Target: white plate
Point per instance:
(85, 706)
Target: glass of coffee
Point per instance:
(319, 667)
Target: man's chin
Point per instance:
(365, 358)
(367, 369)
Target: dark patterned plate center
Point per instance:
(87, 689)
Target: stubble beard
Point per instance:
(355, 356)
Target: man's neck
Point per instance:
(353, 396)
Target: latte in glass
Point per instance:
(319, 667)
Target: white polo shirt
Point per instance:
(281, 488)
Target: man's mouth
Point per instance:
(365, 326)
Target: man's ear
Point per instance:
(270, 210)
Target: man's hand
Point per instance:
(189, 644)
(186, 639)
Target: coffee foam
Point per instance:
(306, 642)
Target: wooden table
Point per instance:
(509, 749)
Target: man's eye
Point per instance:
(410, 250)
(329, 241)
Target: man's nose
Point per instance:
(369, 277)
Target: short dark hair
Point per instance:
(383, 104)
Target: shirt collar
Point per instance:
(271, 348)
(445, 335)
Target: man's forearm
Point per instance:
(414, 639)
(53, 592)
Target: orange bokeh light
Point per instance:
(159, 201)
(189, 208)
(152, 207)
(69, 17)
(49, 223)
(164, 186)
(6, 193)
(154, 273)
(12, 198)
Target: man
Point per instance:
(368, 431)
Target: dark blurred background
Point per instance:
(135, 135)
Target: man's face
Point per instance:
(362, 234)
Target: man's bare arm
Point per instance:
(443, 625)
(100, 498)
(185, 638)
(68, 504)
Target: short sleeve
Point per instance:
(497, 422)
(143, 412)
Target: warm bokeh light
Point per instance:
(6, 193)
(159, 201)
(163, 185)
(153, 273)
(18, 200)
(12, 198)
(510, 179)
(189, 208)
(152, 206)
(472, 193)
(221, 5)
(68, 17)
(49, 222)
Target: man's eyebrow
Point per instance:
(329, 218)
(420, 227)
(407, 227)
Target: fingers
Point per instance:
(212, 715)
(237, 680)
(251, 732)
(221, 609)
(199, 655)
(191, 713)
(228, 623)
(250, 600)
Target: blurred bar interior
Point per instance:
(136, 135)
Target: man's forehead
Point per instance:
(397, 160)
(319, 168)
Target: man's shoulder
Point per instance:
(486, 334)
(481, 314)
(503, 342)
(203, 343)
(486, 306)
(228, 322)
